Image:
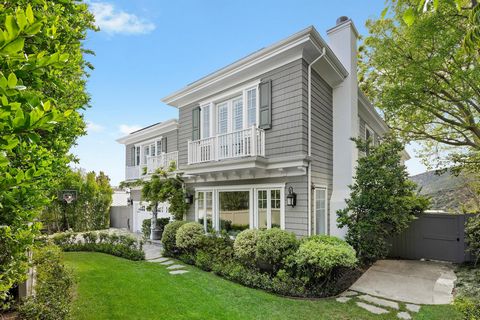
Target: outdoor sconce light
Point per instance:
(291, 198)
(188, 198)
(130, 201)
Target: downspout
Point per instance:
(309, 182)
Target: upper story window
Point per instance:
(237, 112)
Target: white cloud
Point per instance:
(94, 127)
(126, 129)
(115, 21)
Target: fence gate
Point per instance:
(433, 237)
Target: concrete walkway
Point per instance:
(418, 282)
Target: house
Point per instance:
(146, 150)
(265, 141)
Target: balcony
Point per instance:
(243, 143)
(162, 161)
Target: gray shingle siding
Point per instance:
(322, 131)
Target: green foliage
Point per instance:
(472, 234)
(470, 308)
(53, 287)
(424, 81)
(118, 245)
(214, 250)
(273, 246)
(382, 202)
(169, 239)
(147, 223)
(245, 246)
(91, 210)
(42, 90)
(189, 236)
(318, 256)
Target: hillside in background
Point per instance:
(447, 191)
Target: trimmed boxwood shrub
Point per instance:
(146, 226)
(53, 287)
(273, 246)
(245, 246)
(214, 251)
(319, 255)
(189, 236)
(169, 239)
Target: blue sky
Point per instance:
(147, 49)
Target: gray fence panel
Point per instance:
(433, 237)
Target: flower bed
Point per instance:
(118, 245)
(272, 260)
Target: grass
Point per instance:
(113, 288)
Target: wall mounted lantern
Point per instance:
(188, 198)
(291, 198)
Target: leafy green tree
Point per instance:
(42, 90)
(425, 83)
(468, 9)
(383, 201)
(162, 186)
(91, 209)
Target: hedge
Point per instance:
(118, 245)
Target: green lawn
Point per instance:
(113, 288)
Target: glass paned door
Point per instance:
(205, 211)
(320, 211)
(269, 208)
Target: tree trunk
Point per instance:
(154, 232)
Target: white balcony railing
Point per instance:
(243, 143)
(161, 161)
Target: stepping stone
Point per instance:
(404, 315)
(161, 259)
(349, 293)
(178, 271)
(175, 266)
(380, 302)
(343, 299)
(167, 263)
(412, 307)
(372, 309)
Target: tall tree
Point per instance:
(383, 201)
(423, 80)
(42, 90)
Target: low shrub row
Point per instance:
(53, 287)
(146, 226)
(118, 245)
(272, 260)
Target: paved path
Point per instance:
(418, 282)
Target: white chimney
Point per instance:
(343, 41)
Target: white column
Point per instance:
(343, 41)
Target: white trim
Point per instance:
(149, 132)
(231, 93)
(289, 49)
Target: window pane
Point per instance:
(262, 209)
(206, 122)
(237, 114)
(252, 107)
(234, 211)
(320, 210)
(201, 207)
(222, 118)
(137, 156)
(275, 203)
(209, 210)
